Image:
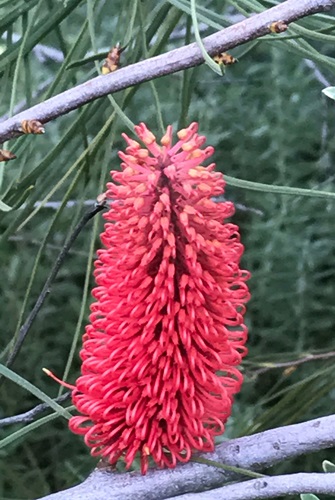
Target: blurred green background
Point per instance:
(269, 123)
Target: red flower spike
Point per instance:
(160, 355)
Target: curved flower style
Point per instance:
(166, 331)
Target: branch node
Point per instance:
(31, 127)
(101, 200)
(278, 27)
(112, 62)
(225, 59)
(6, 155)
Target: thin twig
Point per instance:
(46, 289)
(295, 362)
(317, 73)
(74, 203)
(37, 243)
(30, 415)
(164, 64)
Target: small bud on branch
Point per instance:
(112, 62)
(278, 27)
(225, 59)
(32, 127)
(6, 155)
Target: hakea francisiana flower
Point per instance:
(166, 330)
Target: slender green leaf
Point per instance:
(30, 427)
(329, 92)
(17, 379)
(208, 60)
(271, 188)
(328, 466)
(18, 10)
(4, 207)
(46, 24)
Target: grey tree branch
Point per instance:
(164, 64)
(271, 487)
(255, 452)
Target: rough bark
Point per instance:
(255, 452)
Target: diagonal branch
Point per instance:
(30, 415)
(265, 367)
(255, 452)
(271, 487)
(164, 64)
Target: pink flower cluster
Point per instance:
(166, 330)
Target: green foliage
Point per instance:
(272, 129)
(329, 92)
(309, 496)
(328, 466)
(4, 207)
